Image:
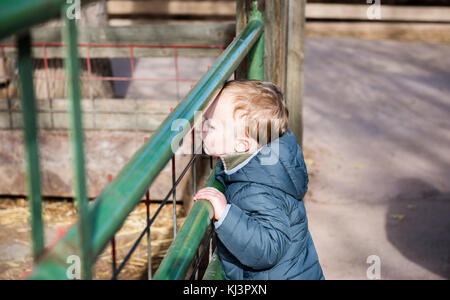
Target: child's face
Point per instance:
(220, 131)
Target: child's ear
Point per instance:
(242, 145)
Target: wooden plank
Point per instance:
(294, 66)
(156, 34)
(388, 12)
(118, 21)
(283, 55)
(160, 34)
(432, 33)
(417, 32)
(58, 52)
(194, 8)
(274, 42)
(313, 10)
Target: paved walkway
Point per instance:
(377, 134)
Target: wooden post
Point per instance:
(284, 32)
(284, 40)
(275, 43)
(294, 66)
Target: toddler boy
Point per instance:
(261, 221)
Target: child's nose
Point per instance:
(204, 127)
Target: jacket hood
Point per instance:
(279, 164)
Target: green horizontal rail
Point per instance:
(17, 15)
(182, 251)
(121, 196)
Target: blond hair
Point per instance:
(261, 104)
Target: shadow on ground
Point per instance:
(418, 224)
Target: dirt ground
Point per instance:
(59, 215)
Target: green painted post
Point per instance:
(69, 32)
(31, 143)
(256, 54)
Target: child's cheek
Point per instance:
(209, 145)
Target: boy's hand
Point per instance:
(216, 198)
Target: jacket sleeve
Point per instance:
(259, 235)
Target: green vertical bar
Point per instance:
(31, 143)
(256, 55)
(69, 32)
(214, 271)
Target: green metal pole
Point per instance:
(69, 33)
(183, 249)
(31, 143)
(256, 56)
(121, 196)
